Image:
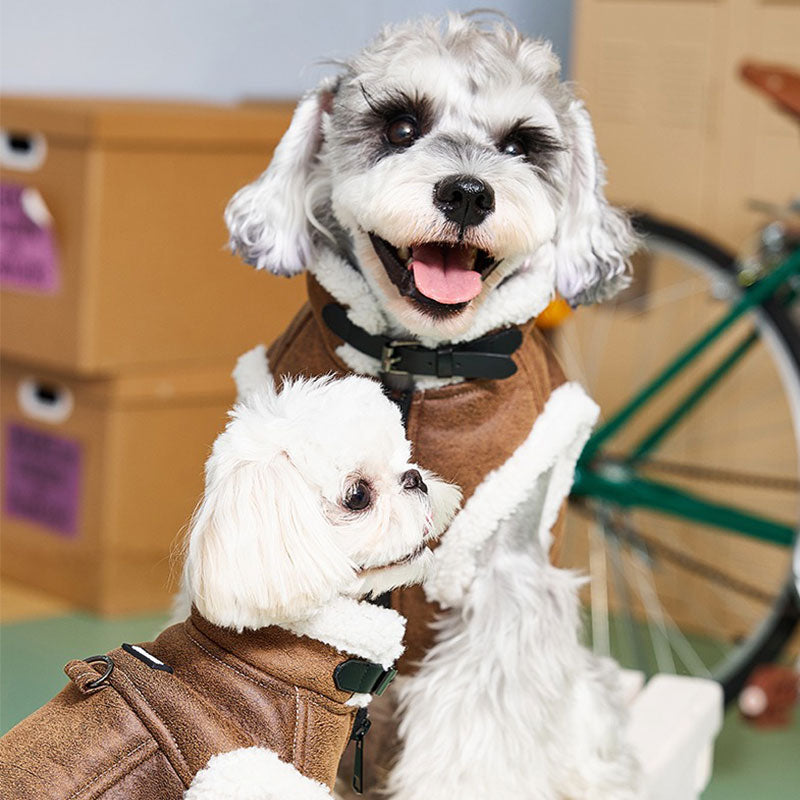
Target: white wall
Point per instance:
(211, 49)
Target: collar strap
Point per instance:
(487, 357)
(364, 677)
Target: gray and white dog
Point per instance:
(443, 185)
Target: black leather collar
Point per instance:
(487, 357)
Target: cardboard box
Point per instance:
(100, 476)
(681, 134)
(133, 271)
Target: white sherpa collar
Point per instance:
(349, 287)
(253, 772)
(251, 373)
(355, 627)
(541, 467)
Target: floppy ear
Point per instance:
(267, 219)
(594, 241)
(260, 549)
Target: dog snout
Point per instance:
(413, 480)
(464, 199)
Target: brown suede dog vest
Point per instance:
(462, 431)
(145, 732)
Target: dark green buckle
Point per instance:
(384, 681)
(364, 677)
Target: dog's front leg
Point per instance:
(497, 708)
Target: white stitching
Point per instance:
(115, 764)
(84, 674)
(296, 727)
(238, 671)
(269, 686)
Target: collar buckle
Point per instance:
(389, 359)
(363, 677)
(488, 357)
(384, 679)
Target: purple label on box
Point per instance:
(43, 478)
(28, 253)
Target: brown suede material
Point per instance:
(148, 732)
(151, 777)
(462, 431)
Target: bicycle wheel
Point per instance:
(669, 593)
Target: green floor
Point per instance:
(32, 655)
(749, 763)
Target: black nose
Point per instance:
(464, 199)
(413, 480)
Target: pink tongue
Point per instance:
(444, 274)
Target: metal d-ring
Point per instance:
(98, 682)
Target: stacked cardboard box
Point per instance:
(122, 316)
(681, 134)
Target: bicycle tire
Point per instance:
(781, 619)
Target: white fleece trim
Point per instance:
(549, 453)
(347, 286)
(356, 627)
(251, 373)
(253, 773)
(358, 362)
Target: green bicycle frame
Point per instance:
(618, 483)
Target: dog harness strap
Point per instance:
(364, 677)
(85, 677)
(487, 357)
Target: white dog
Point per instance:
(310, 496)
(311, 504)
(439, 189)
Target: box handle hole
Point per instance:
(47, 394)
(22, 150)
(45, 401)
(20, 142)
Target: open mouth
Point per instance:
(398, 562)
(442, 277)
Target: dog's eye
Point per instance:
(402, 132)
(358, 496)
(513, 147)
(534, 144)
